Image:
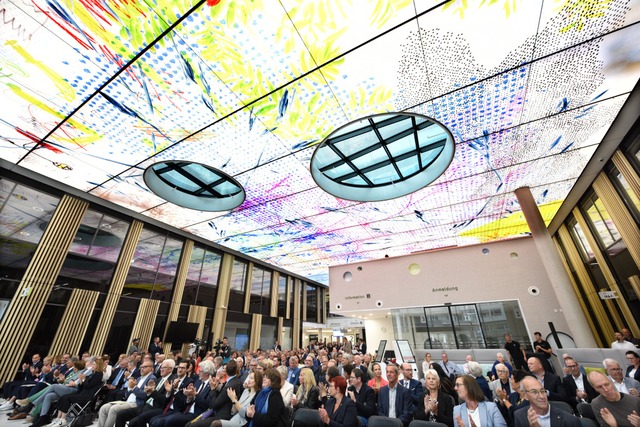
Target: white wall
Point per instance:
(457, 276)
(378, 329)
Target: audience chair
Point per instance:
(379, 421)
(586, 411)
(306, 417)
(586, 422)
(563, 406)
(421, 423)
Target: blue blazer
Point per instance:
(404, 404)
(293, 376)
(490, 415)
(415, 388)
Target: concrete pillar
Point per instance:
(578, 326)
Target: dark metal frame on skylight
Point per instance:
(194, 185)
(382, 157)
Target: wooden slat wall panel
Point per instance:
(197, 314)
(256, 330)
(297, 320)
(222, 300)
(586, 284)
(178, 289)
(115, 290)
(275, 282)
(75, 322)
(575, 285)
(627, 171)
(630, 234)
(145, 320)
(26, 306)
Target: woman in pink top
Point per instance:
(377, 381)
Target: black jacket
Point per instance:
(445, 409)
(366, 400)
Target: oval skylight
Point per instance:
(382, 157)
(193, 185)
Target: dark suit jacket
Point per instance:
(365, 401)
(220, 401)
(553, 383)
(114, 375)
(445, 409)
(138, 390)
(276, 415)
(201, 402)
(404, 406)
(295, 376)
(415, 388)
(636, 375)
(559, 418)
(571, 388)
(345, 415)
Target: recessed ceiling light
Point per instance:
(24, 233)
(37, 208)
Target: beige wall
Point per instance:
(458, 275)
(378, 329)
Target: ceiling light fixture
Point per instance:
(382, 157)
(194, 186)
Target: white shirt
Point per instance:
(545, 420)
(620, 386)
(624, 345)
(392, 401)
(579, 382)
(132, 396)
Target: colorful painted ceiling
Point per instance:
(93, 92)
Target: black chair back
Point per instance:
(306, 417)
(563, 406)
(586, 411)
(421, 423)
(379, 421)
(586, 422)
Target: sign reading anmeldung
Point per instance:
(344, 322)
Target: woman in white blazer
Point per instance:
(474, 410)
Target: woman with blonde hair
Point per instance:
(434, 405)
(308, 395)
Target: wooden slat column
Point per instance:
(145, 320)
(75, 322)
(222, 300)
(597, 308)
(297, 319)
(630, 234)
(275, 287)
(256, 330)
(581, 301)
(20, 320)
(115, 289)
(178, 290)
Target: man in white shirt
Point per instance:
(135, 396)
(621, 344)
(539, 412)
(450, 368)
(623, 384)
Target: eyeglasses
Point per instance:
(615, 369)
(535, 392)
(571, 366)
(147, 366)
(502, 371)
(459, 385)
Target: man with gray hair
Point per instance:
(613, 408)
(501, 388)
(623, 384)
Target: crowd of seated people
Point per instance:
(265, 388)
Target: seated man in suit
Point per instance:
(157, 391)
(552, 382)
(578, 387)
(165, 404)
(395, 401)
(539, 408)
(623, 384)
(633, 370)
(414, 386)
(191, 402)
(502, 383)
(363, 396)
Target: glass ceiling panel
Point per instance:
(516, 122)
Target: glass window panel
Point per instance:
(383, 174)
(167, 270)
(438, 322)
(282, 296)
(372, 158)
(237, 329)
(312, 304)
(338, 171)
(357, 143)
(395, 128)
(24, 212)
(467, 326)
(408, 166)
(410, 324)
(193, 276)
(499, 317)
(582, 241)
(602, 222)
(628, 192)
(237, 285)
